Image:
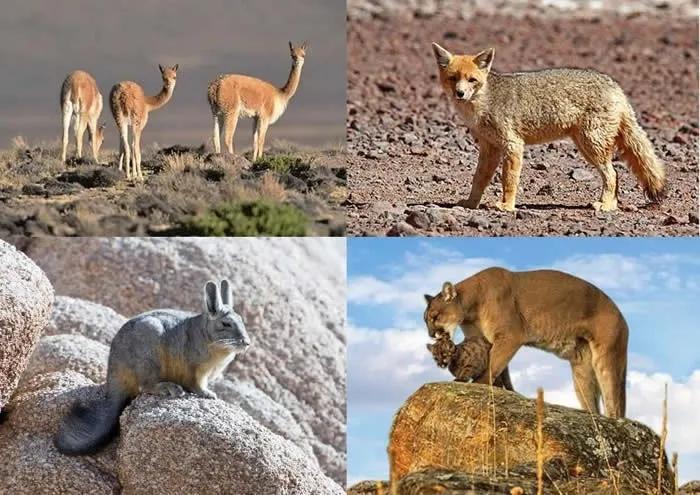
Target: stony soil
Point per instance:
(411, 159)
(41, 196)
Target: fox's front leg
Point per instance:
(512, 164)
(489, 158)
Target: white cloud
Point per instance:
(608, 271)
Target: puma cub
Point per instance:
(546, 309)
(467, 360)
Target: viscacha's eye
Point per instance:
(226, 324)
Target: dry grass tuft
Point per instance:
(270, 187)
(662, 440)
(539, 438)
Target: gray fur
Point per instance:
(164, 345)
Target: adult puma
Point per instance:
(546, 309)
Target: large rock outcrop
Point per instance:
(26, 297)
(290, 292)
(443, 439)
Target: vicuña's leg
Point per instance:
(512, 164)
(67, 114)
(80, 126)
(262, 132)
(92, 131)
(124, 149)
(489, 158)
(217, 135)
(138, 173)
(230, 123)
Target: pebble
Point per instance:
(418, 219)
(401, 229)
(581, 174)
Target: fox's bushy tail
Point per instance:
(637, 151)
(87, 428)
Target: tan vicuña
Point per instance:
(232, 96)
(81, 100)
(130, 107)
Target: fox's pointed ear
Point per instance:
(177, 66)
(442, 56)
(160, 68)
(484, 59)
(428, 298)
(291, 47)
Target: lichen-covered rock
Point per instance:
(450, 425)
(26, 297)
(690, 488)
(81, 317)
(181, 446)
(290, 293)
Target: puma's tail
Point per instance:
(87, 428)
(637, 151)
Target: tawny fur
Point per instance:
(507, 111)
(232, 96)
(81, 101)
(546, 309)
(130, 108)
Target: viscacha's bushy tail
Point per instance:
(87, 428)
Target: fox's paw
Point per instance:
(468, 203)
(500, 205)
(607, 206)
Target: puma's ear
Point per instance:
(442, 56)
(448, 291)
(428, 298)
(483, 60)
(430, 347)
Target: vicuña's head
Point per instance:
(224, 326)
(298, 53)
(169, 75)
(99, 136)
(462, 76)
(444, 312)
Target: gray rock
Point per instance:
(401, 229)
(418, 219)
(69, 352)
(581, 174)
(77, 316)
(26, 297)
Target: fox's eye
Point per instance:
(473, 79)
(453, 78)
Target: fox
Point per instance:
(507, 111)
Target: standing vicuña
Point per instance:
(130, 106)
(81, 98)
(232, 96)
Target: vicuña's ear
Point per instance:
(442, 56)
(484, 59)
(428, 298)
(448, 291)
(212, 299)
(226, 293)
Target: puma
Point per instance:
(546, 309)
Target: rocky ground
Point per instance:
(41, 196)
(278, 425)
(411, 160)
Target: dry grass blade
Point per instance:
(539, 408)
(674, 463)
(662, 440)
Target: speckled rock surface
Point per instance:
(162, 451)
(70, 352)
(290, 292)
(26, 297)
(78, 316)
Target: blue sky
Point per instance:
(654, 281)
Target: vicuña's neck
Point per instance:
(293, 82)
(157, 101)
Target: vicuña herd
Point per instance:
(230, 96)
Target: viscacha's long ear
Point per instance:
(428, 298)
(212, 299)
(442, 56)
(226, 293)
(448, 291)
(483, 60)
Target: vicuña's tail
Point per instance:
(637, 151)
(87, 428)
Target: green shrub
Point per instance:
(253, 218)
(282, 164)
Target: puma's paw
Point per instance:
(468, 203)
(608, 206)
(504, 206)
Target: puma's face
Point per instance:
(442, 317)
